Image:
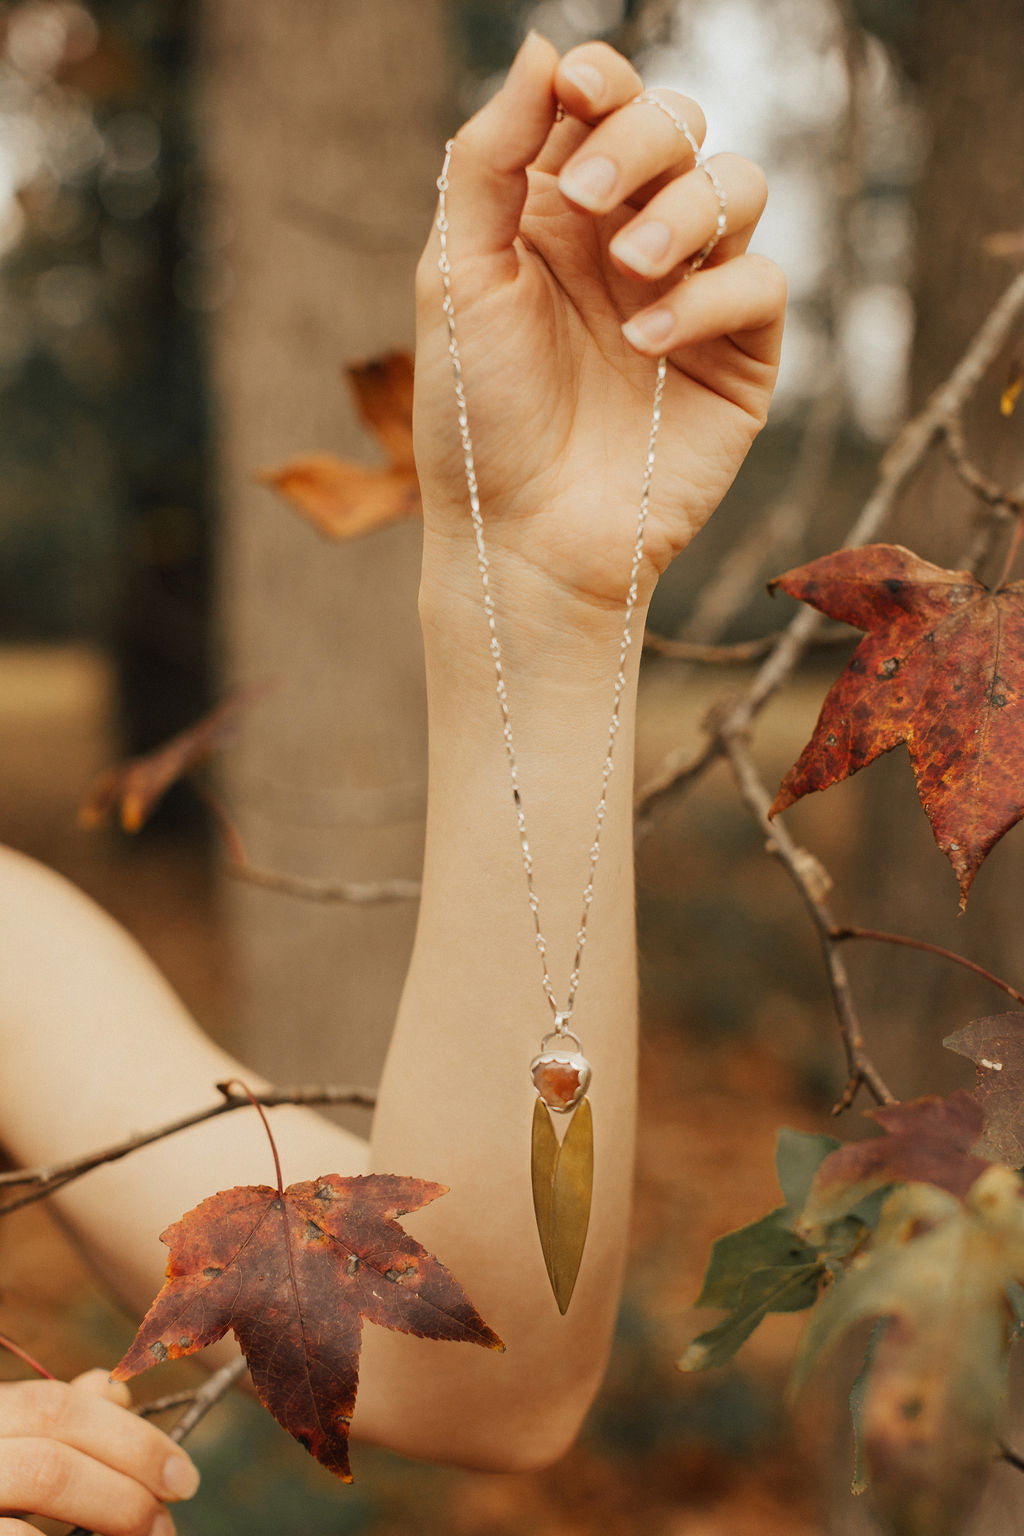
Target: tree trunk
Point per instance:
(324, 126)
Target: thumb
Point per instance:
(487, 174)
(98, 1382)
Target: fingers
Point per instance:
(743, 300)
(682, 218)
(74, 1453)
(636, 146)
(488, 184)
(98, 1382)
(44, 1477)
(593, 80)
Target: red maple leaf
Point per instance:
(942, 669)
(293, 1273)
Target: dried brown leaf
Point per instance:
(344, 499)
(383, 390)
(134, 788)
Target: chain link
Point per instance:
(563, 1014)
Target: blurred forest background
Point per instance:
(207, 209)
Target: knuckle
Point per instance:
(46, 1402)
(747, 179)
(42, 1473)
(691, 112)
(137, 1512)
(772, 279)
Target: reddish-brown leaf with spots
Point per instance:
(996, 1046)
(343, 499)
(293, 1273)
(929, 1141)
(135, 787)
(942, 669)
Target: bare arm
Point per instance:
(95, 1044)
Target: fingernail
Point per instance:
(589, 182)
(163, 1525)
(651, 328)
(586, 79)
(644, 246)
(181, 1477)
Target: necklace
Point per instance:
(562, 1171)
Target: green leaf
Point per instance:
(798, 1155)
(781, 1288)
(760, 1268)
(739, 1256)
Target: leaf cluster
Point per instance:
(916, 1232)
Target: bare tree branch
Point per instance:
(741, 651)
(898, 467)
(813, 882)
(45, 1180)
(847, 931)
(998, 496)
(358, 893)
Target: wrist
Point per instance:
(549, 630)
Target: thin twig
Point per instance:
(359, 893)
(45, 1180)
(812, 881)
(898, 467)
(211, 1392)
(849, 931)
(740, 652)
(976, 480)
(1012, 551)
(155, 1405)
(352, 891)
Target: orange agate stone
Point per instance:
(561, 1078)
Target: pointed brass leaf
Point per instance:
(563, 1178)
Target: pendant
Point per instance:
(562, 1172)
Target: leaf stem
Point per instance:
(23, 1355)
(851, 932)
(236, 1082)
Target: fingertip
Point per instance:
(99, 1383)
(510, 129)
(593, 79)
(533, 68)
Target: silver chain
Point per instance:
(563, 1015)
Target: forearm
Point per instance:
(457, 1099)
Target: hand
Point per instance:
(74, 1452)
(545, 271)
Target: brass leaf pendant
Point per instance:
(563, 1178)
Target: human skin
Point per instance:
(95, 1044)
